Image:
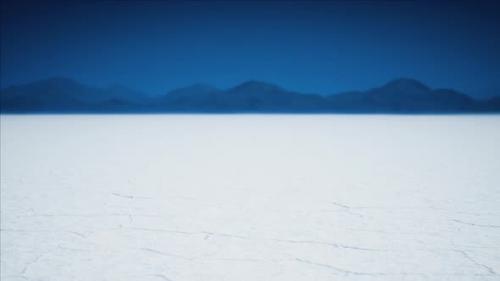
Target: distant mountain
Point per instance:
(491, 104)
(123, 93)
(403, 95)
(67, 95)
(250, 96)
(262, 96)
(201, 97)
(398, 96)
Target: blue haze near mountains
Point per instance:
(62, 95)
(324, 46)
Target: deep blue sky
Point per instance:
(322, 46)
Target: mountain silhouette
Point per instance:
(401, 95)
(66, 95)
(404, 95)
(250, 96)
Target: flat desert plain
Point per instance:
(250, 197)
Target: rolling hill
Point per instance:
(63, 95)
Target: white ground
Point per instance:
(250, 197)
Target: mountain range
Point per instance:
(404, 95)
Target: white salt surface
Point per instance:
(250, 197)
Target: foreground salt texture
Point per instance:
(250, 197)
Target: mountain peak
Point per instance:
(406, 84)
(257, 86)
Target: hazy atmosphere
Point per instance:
(308, 46)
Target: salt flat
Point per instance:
(250, 197)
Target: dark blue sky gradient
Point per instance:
(322, 46)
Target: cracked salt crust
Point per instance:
(250, 197)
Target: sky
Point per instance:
(309, 46)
